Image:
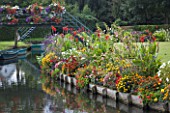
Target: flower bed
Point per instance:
(125, 71)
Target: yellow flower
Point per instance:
(162, 90)
(155, 99)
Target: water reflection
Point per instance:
(21, 91)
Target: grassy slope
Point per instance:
(9, 44)
(164, 51)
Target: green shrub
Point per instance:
(162, 35)
(151, 28)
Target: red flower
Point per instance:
(71, 29)
(154, 38)
(65, 28)
(77, 40)
(98, 35)
(51, 60)
(53, 28)
(62, 35)
(74, 33)
(142, 39)
(147, 31)
(82, 28)
(107, 37)
(156, 27)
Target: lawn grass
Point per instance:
(34, 40)
(164, 51)
(9, 44)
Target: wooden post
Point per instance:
(17, 37)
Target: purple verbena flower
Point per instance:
(28, 19)
(1, 9)
(48, 9)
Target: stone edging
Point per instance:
(126, 98)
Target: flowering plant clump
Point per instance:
(125, 84)
(70, 65)
(10, 12)
(146, 61)
(136, 81)
(37, 13)
(47, 63)
(54, 12)
(82, 82)
(110, 80)
(147, 36)
(150, 89)
(166, 93)
(83, 76)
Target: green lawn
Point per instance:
(9, 44)
(164, 51)
(34, 40)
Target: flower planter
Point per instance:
(125, 97)
(61, 76)
(160, 106)
(74, 81)
(124, 107)
(134, 109)
(69, 79)
(92, 88)
(137, 101)
(65, 77)
(111, 102)
(92, 96)
(68, 87)
(101, 90)
(169, 106)
(101, 99)
(75, 90)
(112, 93)
(64, 85)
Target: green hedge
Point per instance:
(8, 33)
(151, 28)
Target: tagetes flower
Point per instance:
(162, 90)
(155, 99)
(46, 60)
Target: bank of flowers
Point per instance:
(35, 14)
(113, 59)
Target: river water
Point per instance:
(23, 91)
